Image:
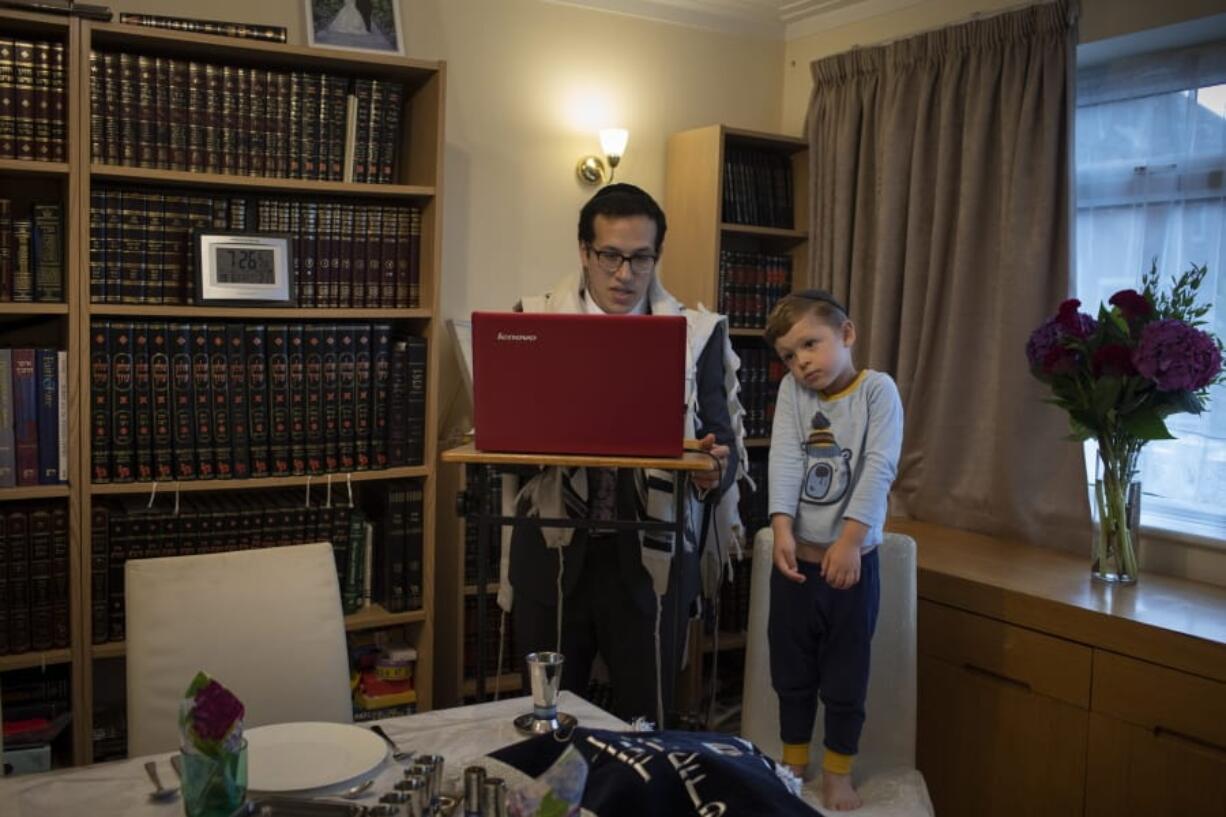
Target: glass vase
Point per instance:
(1117, 498)
(214, 786)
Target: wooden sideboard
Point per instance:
(1044, 693)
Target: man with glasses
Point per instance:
(621, 595)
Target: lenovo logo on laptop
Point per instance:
(504, 336)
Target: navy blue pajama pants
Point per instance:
(820, 640)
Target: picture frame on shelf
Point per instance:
(355, 25)
(237, 268)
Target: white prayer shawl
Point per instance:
(563, 492)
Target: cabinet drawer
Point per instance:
(1040, 663)
(1168, 702)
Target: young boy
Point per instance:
(834, 453)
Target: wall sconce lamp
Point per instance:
(591, 169)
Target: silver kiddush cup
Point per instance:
(545, 678)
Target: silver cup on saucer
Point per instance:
(545, 678)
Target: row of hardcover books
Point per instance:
(758, 188)
(34, 587)
(511, 658)
(378, 554)
(759, 376)
(142, 246)
(33, 99)
(33, 417)
(177, 401)
(31, 254)
(750, 284)
(173, 114)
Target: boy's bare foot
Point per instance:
(799, 771)
(838, 794)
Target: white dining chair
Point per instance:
(266, 623)
(885, 770)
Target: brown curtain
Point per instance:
(941, 186)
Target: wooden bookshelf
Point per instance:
(698, 234)
(417, 181)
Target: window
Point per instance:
(1151, 184)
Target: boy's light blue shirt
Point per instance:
(844, 470)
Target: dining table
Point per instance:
(121, 788)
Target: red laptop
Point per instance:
(579, 384)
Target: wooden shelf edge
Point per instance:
(40, 658)
(764, 232)
(185, 178)
(490, 588)
(29, 167)
(510, 682)
(758, 442)
(727, 641)
(374, 617)
(33, 492)
(744, 332)
(338, 482)
(272, 312)
(11, 308)
(794, 143)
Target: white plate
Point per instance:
(291, 757)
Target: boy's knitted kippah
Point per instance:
(819, 295)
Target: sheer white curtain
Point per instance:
(1151, 184)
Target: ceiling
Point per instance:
(779, 19)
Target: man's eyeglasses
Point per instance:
(611, 261)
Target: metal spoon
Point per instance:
(357, 791)
(397, 755)
(162, 794)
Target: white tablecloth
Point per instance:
(121, 789)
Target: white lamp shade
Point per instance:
(613, 141)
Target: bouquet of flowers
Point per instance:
(214, 752)
(1119, 377)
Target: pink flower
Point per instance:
(1177, 356)
(216, 710)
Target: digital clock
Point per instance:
(243, 268)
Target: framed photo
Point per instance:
(358, 25)
(243, 269)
